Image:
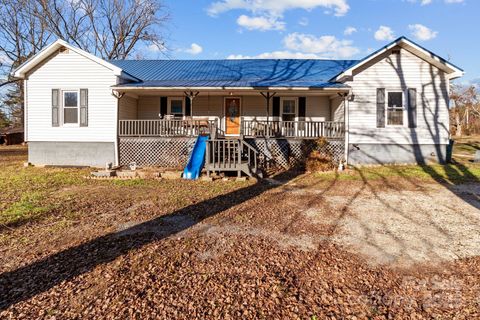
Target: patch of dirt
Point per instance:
(408, 227)
(304, 242)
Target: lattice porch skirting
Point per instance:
(287, 153)
(156, 151)
(174, 152)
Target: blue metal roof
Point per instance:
(313, 73)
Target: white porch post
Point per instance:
(118, 96)
(191, 95)
(267, 97)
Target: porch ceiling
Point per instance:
(230, 91)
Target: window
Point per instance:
(176, 107)
(395, 109)
(289, 109)
(70, 107)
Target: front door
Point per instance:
(232, 116)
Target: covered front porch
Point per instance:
(244, 114)
(159, 127)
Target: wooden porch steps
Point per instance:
(233, 154)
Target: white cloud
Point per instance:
(326, 46)
(420, 32)
(422, 2)
(155, 48)
(303, 22)
(427, 2)
(260, 23)
(194, 49)
(384, 33)
(349, 31)
(306, 46)
(276, 55)
(277, 7)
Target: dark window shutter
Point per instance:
(302, 107)
(276, 107)
(163, 106)
(188, 107)
(83, 107)
(55, 107)
(412, 108)
(381, 108)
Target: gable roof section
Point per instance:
(244, 73)
(413, 47)
(28, 65)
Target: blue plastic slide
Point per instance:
(197, 159)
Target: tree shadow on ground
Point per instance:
(30, 280)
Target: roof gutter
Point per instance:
(233, 88)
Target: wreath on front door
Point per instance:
(232, 110)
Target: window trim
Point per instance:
(295, 99)
(169, 105)
(404, 107)
(77, 124)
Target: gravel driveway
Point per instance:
(406, 227)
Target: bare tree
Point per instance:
(111, 29)
(466, 109)
(22, 35)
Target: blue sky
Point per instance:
(344, 29)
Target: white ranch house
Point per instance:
(391, 107)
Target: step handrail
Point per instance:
(230, 155)
(251, 153)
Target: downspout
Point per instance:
(346, 115)
(448, 108)
(25, 111)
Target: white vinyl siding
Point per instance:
(212, 106)
(71, 71)
(255, 106)
(318, 108)
(207, 106)
(149, 107)
(400, 72)
(337, 111)
(127, 108)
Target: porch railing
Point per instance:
(167, 128)
(231, 155)
(293, 129)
